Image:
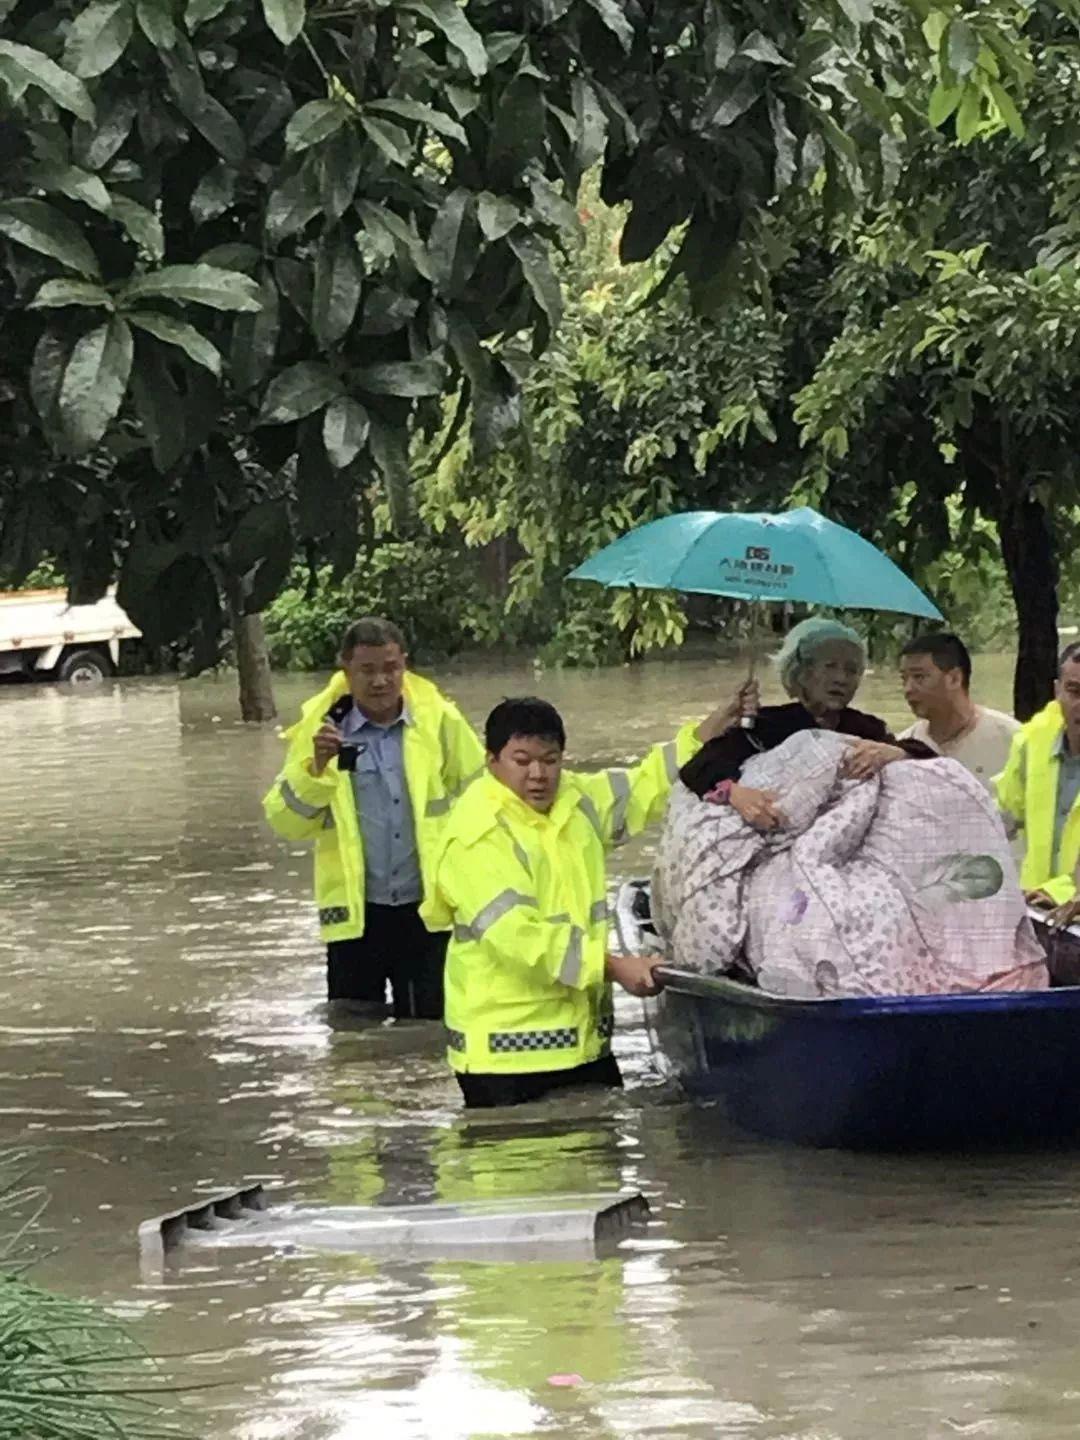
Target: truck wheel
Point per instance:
(84, 667)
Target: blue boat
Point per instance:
(924, 1072)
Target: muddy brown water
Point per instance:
(162, 1034)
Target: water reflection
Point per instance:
(163, 1033)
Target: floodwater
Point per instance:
(162, 1034)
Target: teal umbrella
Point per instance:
(797, 555)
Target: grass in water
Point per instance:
(68, 1371)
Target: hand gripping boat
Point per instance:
(908, 1072)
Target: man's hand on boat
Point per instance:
(635, 973)
(757, 807)
(866, 758)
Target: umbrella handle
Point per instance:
(747, 722)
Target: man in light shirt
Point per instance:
(936, 674)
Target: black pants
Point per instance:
(396, 947)
(485, 1091)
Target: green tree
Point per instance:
(251, 246)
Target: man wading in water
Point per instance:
(374, 764)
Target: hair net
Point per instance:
(807, 637)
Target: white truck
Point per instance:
(41, 634)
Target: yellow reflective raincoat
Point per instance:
(442, 755)
(1027, 791)
(526, 896)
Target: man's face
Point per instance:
(928, 690)
(530, 766)
(1068, 694)
(376, 675)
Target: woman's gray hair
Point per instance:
(804, 640)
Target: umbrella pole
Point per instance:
(747, 722)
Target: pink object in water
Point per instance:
(565, 1382)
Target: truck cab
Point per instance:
(42, 635)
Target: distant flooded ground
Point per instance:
(162, 1034)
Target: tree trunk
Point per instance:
(253, 668)
(1027, 547)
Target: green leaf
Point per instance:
(424, 114)
(409, 379)
(94, 384)
(497, 215)
(859, 12)
(451, 245)
(159, 406)
(291, 207)
(59, 84)
(731, 98)
(315, 121)
(757, 46)
(98, 36)
(215, 193)
(39, 227)
(47, 375)
(552, 207)
(177, 332)
(340, 162)
(339, 278)
(590, 121)
(197, 285)
(391, 140)
(298, 391)
(943, 101)
(517, 135)
(156, 22)
(285, 18)
(142, 225)
(1007, 110)
(255, 340)
(386, 311)
(199, 12)
(94, 145)
(962, 48)
(785, 144)
(390, 447)
(969, 116)
(55, 293)
(611, 13)
(539, 275)
(345, 428)
(449, 17)
(76, 184)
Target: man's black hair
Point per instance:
(524, 715)
(946, 650)
(1071, 652)
(372, 630)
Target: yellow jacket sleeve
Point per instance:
(1010, 785)
(462, 751)
(297, 803)
(483, 893)
(627, 801)
(1060, 888)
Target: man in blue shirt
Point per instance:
(374, 765)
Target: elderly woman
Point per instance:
(820, 663)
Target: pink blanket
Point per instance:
(900, 885)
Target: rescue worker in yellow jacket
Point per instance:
(373, 767)
(521, 878)
(1038, 792)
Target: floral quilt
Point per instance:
(900, 885)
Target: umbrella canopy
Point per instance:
(797, 555)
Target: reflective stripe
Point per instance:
(334, 915)
(570, 969)
(671, 760)
(588, 809)
(620, 788)
(492, 911)
(598, 912)
(520, 853)
(296, 805)
(455, 1039)
(532, 1040)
